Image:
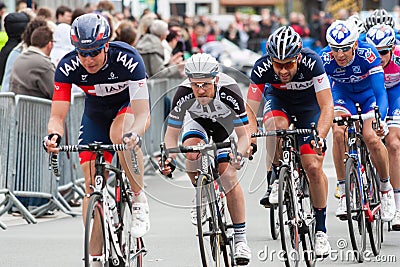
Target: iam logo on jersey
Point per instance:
(339, 33)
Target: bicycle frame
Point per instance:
(357, 147)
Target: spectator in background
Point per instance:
(15, 24)
(62, 43)
(21, 5)
(33, 72)
(2, 14)
(45, 12)
(23, 45)
(77, 12)
(326, 22)
(63, 15)
(315, 27)
(125, 32)
(106, 5)
(232, 34)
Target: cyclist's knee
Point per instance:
(338, 133)
(313, 170)
(192, 163)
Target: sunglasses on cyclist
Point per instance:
(385, 51)
(286, 65)
(90, 53)
(341, 48)
(202, 84)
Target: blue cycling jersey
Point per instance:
(362, 78)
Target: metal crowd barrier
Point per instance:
(7, 162)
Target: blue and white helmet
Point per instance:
(381, 35)
(342, 33)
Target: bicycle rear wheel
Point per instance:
(289, 230)
(355, 212)
(307, 231)
(274, 221)
(208, 234)
(374, 228)
(95, 233)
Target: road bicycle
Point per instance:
(361, 187)
(215, 236)
(110, 218)
(295, 210)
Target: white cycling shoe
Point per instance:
(193, 213)
(140, 219)
(242, 254)
(388, 205)
(322, 247)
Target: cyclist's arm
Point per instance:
(59, 112)
(171, 138)
(325, 102)
(378, 86)
(254, 97)
(141, 111)
(243, 134)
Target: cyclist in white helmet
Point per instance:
(298, 87)
(357, 77)
(381, 16)
(209, 104)
(383, 38)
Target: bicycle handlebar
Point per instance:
(53, 159)
(282, 133)
(199, 147)
(353, 118)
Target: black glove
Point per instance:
(324, 145)
(171, 164)
(254, 146)
(138, 138)
(49, 137)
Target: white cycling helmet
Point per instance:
(379, 16)
(381, 36)
(358, 22)
(342, 33)
(201, 66)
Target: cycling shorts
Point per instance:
(306, 111)
(97, 118)
(345, 101)
(193, 129)
(393, 118)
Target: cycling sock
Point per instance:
(341, 185)
(385, 185)
(240, 232)
(139, 197)
(397, 198)
(320, 218)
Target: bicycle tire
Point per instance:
(95, 208)
(355, 212)
(274, 221)
(130, 246)
(208, 234)
(307, 232)
(374, 228)
(226, 234)
(289, 232)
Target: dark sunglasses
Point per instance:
(286, 65)
(342, 48)
(90, 53)
(202, 84)
(384, 51)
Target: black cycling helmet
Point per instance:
(90, 31)
(284, 43)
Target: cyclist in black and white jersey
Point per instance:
(209, 104)
(299, 86)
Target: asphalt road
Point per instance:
(171, 242)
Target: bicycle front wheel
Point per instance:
(287, 219)
(355, 212)
(132, 247)
(374, 227)
(95, 234)
(208, 234)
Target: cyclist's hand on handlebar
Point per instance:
(51, 142)
(382, 130)
(132, 140)
(252, 150)
(238, 163)
(321, 148)
(168, 168)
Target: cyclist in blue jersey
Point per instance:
(380, 16)
(112, 74)
(209, 105)
(298, 86)
(357, 77)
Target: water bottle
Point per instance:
(114, 211)
(363, 175)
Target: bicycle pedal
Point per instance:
(242, 261)
(342, 217)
